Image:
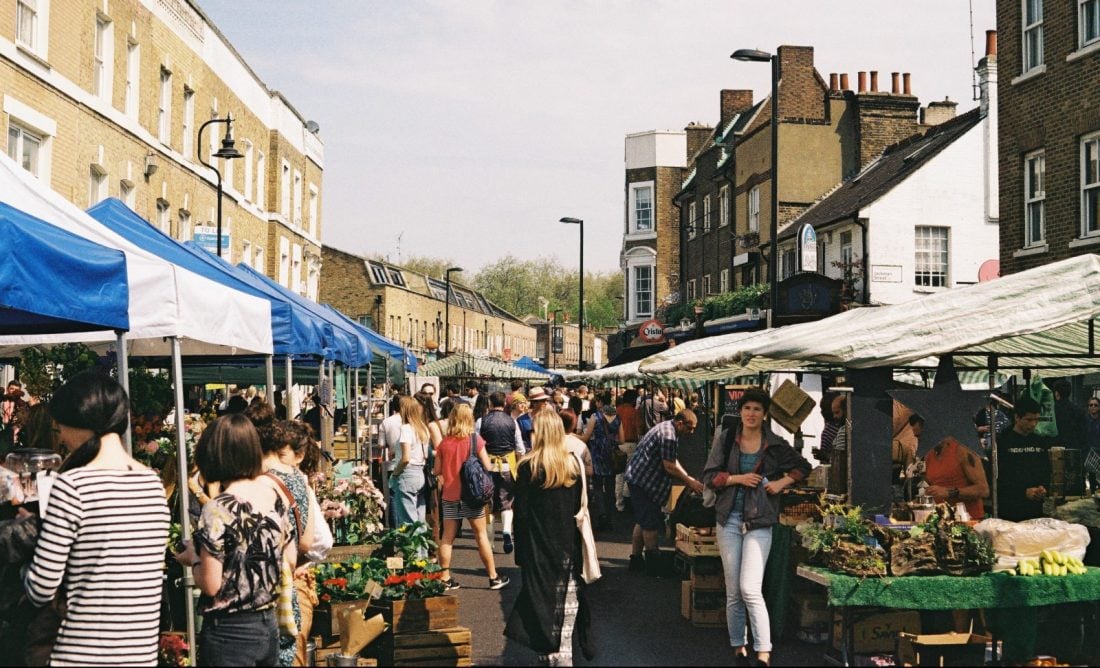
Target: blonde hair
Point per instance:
(412, 414)
(460, 423)
(549, 457)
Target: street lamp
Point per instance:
(226, 152)
(757, 56)
(580, 330)
(447, 324)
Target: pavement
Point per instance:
(635, 618)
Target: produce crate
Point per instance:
(707, 574)
(443, 647)
(691, 543)
(418, 615)
(705, 609)
(941, 649)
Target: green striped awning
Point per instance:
(455, 366)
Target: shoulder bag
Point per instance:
(284, 608)
(431, 483)
(590, 561)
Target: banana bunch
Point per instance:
(1050, 562)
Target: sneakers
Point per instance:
(508, 546)
(451, 584)
(637, 563)
(499, 582)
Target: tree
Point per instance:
(431, 266)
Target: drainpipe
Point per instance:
(862, 222)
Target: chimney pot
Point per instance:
(895, 86)
(862, 82)
(990, 42)
(874, 82)
(905, 84)
(834, 81)
(844, 81)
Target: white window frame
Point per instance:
(164, 223)
(313, 279)
(133, 78)
(97, 185)
(634, 225)
(261, 180)
(724, 206)
(1088, 22)
(188, 122)
(1090, 185)
(185, 231)
(706, 214)
(690, 289)
(314, 211)
(1031, 38)
(297, 193)
(284, 261)
(246, 252)
(164, 107)
(754, 209)
(1035, 200)
(296, 268)
(126, 192)
(640, 306)
(635, 258)
(932, 257)
(787, 262)
(284, 188)
(103, 58)
(248, 171)
(32, 30)
(19, 136)
(691, 222)
(258, 262)
(724, 281)
(706, 286)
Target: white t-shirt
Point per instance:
(389, 434)
(417, 448)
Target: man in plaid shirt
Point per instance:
(649, 474)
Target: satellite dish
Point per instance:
(989, 270)
(313, 127)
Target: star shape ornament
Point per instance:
(947, 409)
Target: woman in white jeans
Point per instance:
(744, 456)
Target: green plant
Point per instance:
(349, 580)
(353, 507)
(43, 371)
(724, 305)
(408, 541)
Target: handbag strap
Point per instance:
(473, 446)
(584, 482)
(293, 504)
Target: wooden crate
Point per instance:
(693, 544)
(326, 617)
(705, 609)
(345, 552)
(417, 615)
(442, 647)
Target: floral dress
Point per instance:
(296, 482)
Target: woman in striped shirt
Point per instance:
(103, 534)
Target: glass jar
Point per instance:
(26, 462)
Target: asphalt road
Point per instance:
(636, 618)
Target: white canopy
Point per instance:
(165, 300)
(1029, 316)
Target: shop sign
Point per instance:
(207, 237)
(557, 339)
(807, 248)
(886, 273)
(651, 331)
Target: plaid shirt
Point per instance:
(646, 468)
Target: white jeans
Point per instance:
(744, 556)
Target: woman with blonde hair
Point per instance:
(407, 479)
(452, 452)
(552, 606)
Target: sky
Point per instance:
(465, 129)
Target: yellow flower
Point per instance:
(356, 566)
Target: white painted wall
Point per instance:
(656, 148)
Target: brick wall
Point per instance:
(884, 120)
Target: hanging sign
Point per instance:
(807, 248)
(651, 331)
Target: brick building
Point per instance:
(1049, 131)
(827, 133)
(595, 345)
(411, 308)
(106, 100)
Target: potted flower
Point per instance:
(353, 507)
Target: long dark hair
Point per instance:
(229, 450)
(94, 401)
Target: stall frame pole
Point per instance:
(269, 368)
(123, 363)
(185, 518)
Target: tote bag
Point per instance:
(590, 561)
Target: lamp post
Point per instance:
(580, 328)
(226, 152)
(757, 56)
(447, 323)
(557, 311)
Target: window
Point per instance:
(378, 273)
(296, 269)
(754, 209)
(786, 263)
(691, 222)
(1033, 34)
(313, 202)
(261, 177)
(133, 78)
(931, 257)
(691, 289)
(706, 214)
(706, 286)
(164, 224)
(97, 185)
(297, 198)
(184, 228)
(643, 208)
(24, 147)
(1088, 20)
(643, 291)
(164, 107)
(189, 122)
(246, 252)
(1090, 185)
(846, 251)
(724, 206)
(29, 16)
(247, 170)
(284, 261)
(396, 277)
(1034, 194)
(126, 192)
(101, 59)
(284, 191)
(258, 264)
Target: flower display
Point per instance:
(173, 650)
(353, 507)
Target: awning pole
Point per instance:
(269, 367)
(992, 417)
(185, 518)
(123, 363)
(286, 388)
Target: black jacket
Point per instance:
(779, 458)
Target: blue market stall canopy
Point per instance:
(379, 344)
(54, 281)
(294, 330)
(526, 362)
(460, 366)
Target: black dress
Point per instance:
(548, 551)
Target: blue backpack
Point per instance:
(477, 484)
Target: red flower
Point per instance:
(435, 576)
(413, 578)
(393, 580)
(326, 597)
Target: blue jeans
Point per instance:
(408, 502)
(239, 639)
(744, 556)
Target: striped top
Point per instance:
(105, 534)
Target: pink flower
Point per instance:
(150, 447)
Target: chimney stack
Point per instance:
(895, 86)
(990, 42)
(906, 90)
(874, 82)
(733, 102)
(697, 135)
(862, 82)
(834, 81)
(844, 81)
(939, 112)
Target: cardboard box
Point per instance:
(813, 611)
(685, 599)
(876, 633)
(941, 649)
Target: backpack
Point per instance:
(477, 484)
